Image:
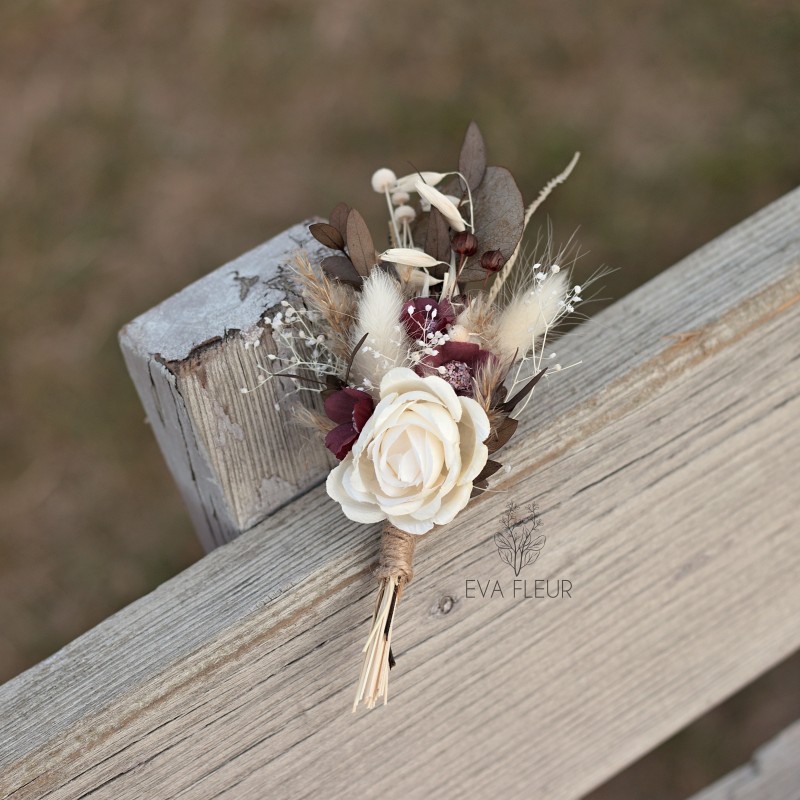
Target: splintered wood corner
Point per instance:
(665, 473)
(235, 456)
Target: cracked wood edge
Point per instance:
(234, 456)
(772, 774)
(665, 478)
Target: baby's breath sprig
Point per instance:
(304, 355)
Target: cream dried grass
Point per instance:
(335, 302)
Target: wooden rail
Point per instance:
(772, 774)
(665, 472)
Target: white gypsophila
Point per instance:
(417, 456)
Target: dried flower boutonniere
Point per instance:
(424, 353)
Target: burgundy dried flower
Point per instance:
(492, 261)
(465, 243)
(456, 362)
(349, 409)
(423, 315)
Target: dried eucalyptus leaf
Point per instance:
(437, 237)
(339, 219)
(479, 487)
(488, 470)
(327, 235)
(499, 218)
(472, 161)
(499, 436)
(342, 268)
(509, 405)
(360, 246)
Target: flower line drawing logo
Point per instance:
(516, 544)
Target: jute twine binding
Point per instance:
(395, 571)
(397, 556)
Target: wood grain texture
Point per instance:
(665, 472)
(772, 774)
(234, 456)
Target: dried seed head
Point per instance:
(383, 180)
(465, 243)
(405, 214)
(400, 198)
(492, 261)
(409, 256)
(408, 182)
(444, 204)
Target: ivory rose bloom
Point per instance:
(415, 458)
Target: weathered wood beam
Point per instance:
(665, 471)
(772, 774)
(235, 457)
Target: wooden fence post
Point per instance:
(235, 457)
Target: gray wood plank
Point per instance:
(235, 457)
(772, 774)
(665, 471)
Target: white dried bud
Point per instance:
(445, 206)
(408, 183)
(458, 333)
(400, 198)
(409, 256)
(383, 180)
(405, 214)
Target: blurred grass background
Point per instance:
(144, 144)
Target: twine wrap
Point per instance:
(397, 556)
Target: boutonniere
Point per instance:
(425, 353)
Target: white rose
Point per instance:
(416, 458)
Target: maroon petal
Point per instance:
(420, 322)
(362, 411)
(339, 405)
(460, 351)
(341, 439)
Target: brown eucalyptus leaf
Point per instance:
(360, 247)
(327, 235)
(488, 470)
(478, 487)
(499, 436)
(342, 268)
(333, 383)
(437, 237)
(499, 218)
(339, 219)
(472, 161)
(509, 405)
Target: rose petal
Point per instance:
(454, 502)
(358, 512)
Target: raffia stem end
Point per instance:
(395, 572)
